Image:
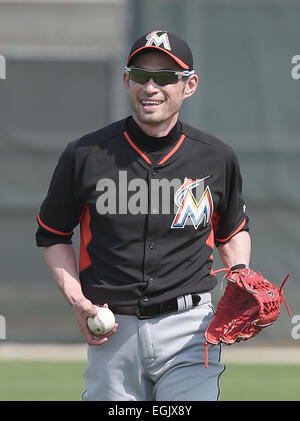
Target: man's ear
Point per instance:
(191, 86)
(126, 80)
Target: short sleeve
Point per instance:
(230, 217)
(60, 211)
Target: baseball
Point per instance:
(103, 322)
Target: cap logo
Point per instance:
(154, 39)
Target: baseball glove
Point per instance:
(249, 303)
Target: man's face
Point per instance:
(153, 104)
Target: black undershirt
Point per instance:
(155, 147)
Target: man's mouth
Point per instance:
(151, 104)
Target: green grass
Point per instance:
(41, 380)
(261, 382)
(63, 381)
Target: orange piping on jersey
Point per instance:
(51, 229)
(85, 239)
(172, 151)
(136, 148)
(210, 240)
(223, 240)
(145, 157)
(211, 243)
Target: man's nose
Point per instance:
(151, 86)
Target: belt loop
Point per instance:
(184, 302)
(180, 303)
(188, 301)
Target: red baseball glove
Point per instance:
(249, 303)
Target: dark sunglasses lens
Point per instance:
(139, 76)
(165, 78)
(161, 78)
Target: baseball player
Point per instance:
(153, 196)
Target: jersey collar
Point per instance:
(153, 151)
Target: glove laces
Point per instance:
(281, 293)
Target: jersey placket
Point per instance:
(152, 245)
(152, 240)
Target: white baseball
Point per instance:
(103, 322)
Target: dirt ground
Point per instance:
(234, 353)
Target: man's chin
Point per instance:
(150, 118)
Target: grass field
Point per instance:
(63, 381)
(259, 382)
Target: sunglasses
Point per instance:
(161, 77)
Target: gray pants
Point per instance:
(158, 359)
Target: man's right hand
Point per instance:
(61, 260)
(82, 310)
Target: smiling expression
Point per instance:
(154, 105)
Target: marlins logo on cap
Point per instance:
(166, 42)
(158, 40)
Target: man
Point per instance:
(152, 196)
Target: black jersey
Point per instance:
(149, 216)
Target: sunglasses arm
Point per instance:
(185, 73)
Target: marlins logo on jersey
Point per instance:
(191, 211)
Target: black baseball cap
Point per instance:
(166, 42)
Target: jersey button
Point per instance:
(145, 299)
(154, 172)
(151, 245)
